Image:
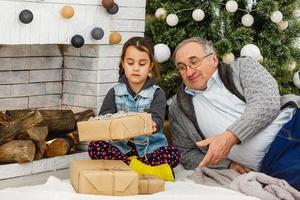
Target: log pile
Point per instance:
(27, 135)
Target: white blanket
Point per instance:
(56, 189)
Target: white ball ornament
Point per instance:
(198, 15)
(282, 25)
(162, 52)
(252, 51)
(291, 66)
(172, 20)
(161, 13)
(231, 6)
(276, 16)
(296, 79)
(228, 58)
(296, 13)
(247, 20)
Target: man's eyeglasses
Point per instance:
(193, 63)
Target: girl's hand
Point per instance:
(154, 127)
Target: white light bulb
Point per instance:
(231, 6)
(228, 58)
(291, 66)
(282, 25)
(198, 15)
(161, 13)
(276, 16)
(172, 20)
(247, 20)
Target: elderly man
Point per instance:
(225, 116)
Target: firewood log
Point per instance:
(59, 122)
(58, 147)
(4, 119)
(36, 133)
(84, 116)
(18, 125)
(20, 151)
(15, 114)
(62, 146)
(74, 137)
(41, 148)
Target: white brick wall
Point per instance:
(80, 75)
(14, 77)
(102, 51)
(12, 51)
(61, 76)
(53, 88)
(80, 88)
(44, 101)
(30, 76)
(5, 91)
(14, 103)
(108, 76)
(28, 89)
(45, 75)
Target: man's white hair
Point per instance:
(205, 44)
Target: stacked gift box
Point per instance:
(113, 177)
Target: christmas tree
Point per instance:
(271, 27)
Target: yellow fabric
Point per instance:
(163, 171)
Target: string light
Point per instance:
(231, 6)
(276, 16)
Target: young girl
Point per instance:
(136, 92)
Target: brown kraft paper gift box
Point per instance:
(103, 177)
(134, 124)
(150, 184)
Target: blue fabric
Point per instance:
(283, 158)
(141, 103)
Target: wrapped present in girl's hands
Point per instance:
(116, 126)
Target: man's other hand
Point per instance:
(219, 147)
(239, 168)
